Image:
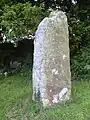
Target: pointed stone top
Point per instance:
(57, 13)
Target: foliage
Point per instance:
(79, 34)
(80, 64)
(26, 70)
(79, 28)
(21, 19)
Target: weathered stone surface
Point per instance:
(51, 68)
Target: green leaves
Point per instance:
(21, 19)
(80, 64)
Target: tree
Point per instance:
(21, 19)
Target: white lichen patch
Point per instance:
(55, 98)
(50, 90)
(64, 56)
(62, 93)
(55, 72)
(61, 65)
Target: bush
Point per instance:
(79, 34)
(21, 19)
(80, 64)
(26, 70)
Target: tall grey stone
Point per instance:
(51, 67)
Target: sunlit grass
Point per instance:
(12, 89)
(16, 103)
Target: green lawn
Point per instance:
(12, 90)
(16, 104)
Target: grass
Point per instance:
(76, 109)
(12, 89)
(16, 103)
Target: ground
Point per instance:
(16, 103)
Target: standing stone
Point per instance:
(51, 68)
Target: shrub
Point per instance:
(26, 70)
(80, 64)
(21, 19)
(79, 34)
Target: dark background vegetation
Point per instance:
(18, 22)
(21, 18)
